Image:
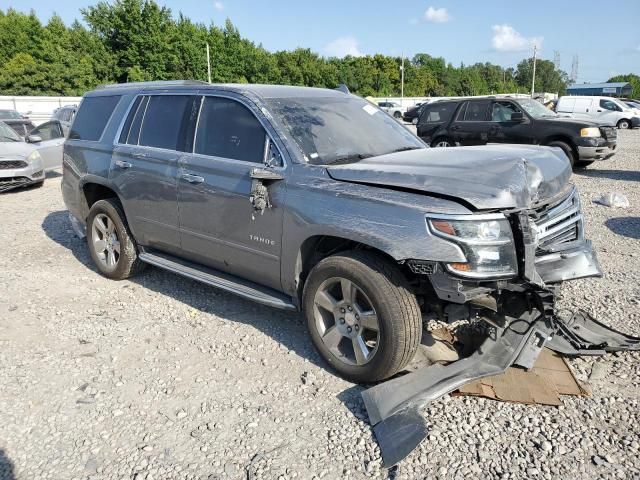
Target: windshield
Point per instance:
(341, 129)
(7, 134)
(535, 108)
(10, 114)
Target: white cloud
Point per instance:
(343, 46)
(507, 39)
(218, 6)
(437, 15)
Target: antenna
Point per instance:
(556, 59)
(574, 69)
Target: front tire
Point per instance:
(566, 148)
(442, 142)
(397, 115)
(362, 317)
(624, 124)
(111, 244)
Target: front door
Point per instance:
(144, 167)
(472, 123)
(219, 225)
(608, 112)
(52, 141)
(505, 130)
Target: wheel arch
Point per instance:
(93, 189)
(319, 246)
(562, 138)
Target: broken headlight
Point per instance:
(486, 240)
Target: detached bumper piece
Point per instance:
(584, 335)
(394, 407)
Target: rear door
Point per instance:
(471, 126)
(433, 118)
(145, 166)
(583, 108)
(505, 130)
(218, 224)
(51, 146)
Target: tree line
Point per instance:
(137, 40)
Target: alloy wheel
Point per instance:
(346, 321)
(105, 241)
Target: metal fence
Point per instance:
(38, 109)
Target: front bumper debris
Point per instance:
(394, 407)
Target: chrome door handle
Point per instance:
(192, 178)
(123, 164)
(139, 155)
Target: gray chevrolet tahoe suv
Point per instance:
(315, 200)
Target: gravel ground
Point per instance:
(164, 378)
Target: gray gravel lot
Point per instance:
(164, 378)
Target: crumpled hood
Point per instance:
(487, 177)
(15, 150)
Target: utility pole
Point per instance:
(533, 80)
(402, 82)
(208, 64)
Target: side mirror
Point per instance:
(517, 117)
(34, 139)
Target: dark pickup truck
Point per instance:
(478, 121)
(315, 200)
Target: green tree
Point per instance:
(548, 79)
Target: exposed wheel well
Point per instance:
(565, 139)
(315, 248)
(94, 192)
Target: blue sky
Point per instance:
(605, 36)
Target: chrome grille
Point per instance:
(12, 164)
(559, 224)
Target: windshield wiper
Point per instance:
(348, 158)
(404, 149)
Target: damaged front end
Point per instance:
(517, 259)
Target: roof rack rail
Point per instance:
(158, 83)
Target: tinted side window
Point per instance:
(440, 113)
(228, 129)
(92, 117)
(477, 111)
(131, 128)
(164, 124)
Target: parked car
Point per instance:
(19, 123)
(412, 115)
(20, 163)
(313, 200)
(478, 121)
(392, 108)
(65, 114)
(603, 110)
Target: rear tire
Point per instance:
(566, 148)
(111, 244)
(624, 124)
(442, 142)
(397, 115)
(340, 323)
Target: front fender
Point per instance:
(390, 221)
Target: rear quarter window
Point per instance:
(92, 117)
(438, 113)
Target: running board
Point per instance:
(223, 281)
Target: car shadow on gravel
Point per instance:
(286, 328)
(6, 467)
(625, 226)
(624, 175)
